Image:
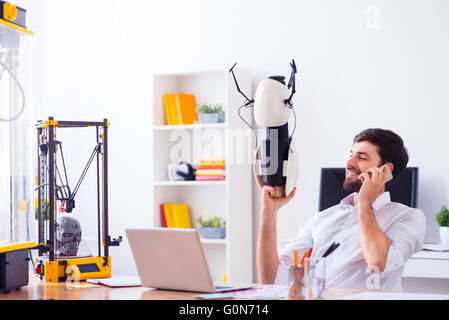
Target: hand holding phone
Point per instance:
(373, 188)
(385, 168)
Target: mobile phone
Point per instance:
(389, 174)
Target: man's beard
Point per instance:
(352, 186)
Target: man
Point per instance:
(375, 235)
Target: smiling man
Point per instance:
(375, 234)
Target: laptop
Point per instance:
(173, 259)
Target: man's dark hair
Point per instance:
(391, 148)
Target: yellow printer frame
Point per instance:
(49, 266)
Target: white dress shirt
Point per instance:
(346, 267)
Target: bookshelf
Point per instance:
(232, 198)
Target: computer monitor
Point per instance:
(403, 190)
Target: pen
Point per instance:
(331, 249)
(295, 258)
(305, 255)
(298, 274)
(310, 253)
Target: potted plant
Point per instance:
(212, 228)
(443, 221)
(210, 114)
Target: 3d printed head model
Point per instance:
(68, 236)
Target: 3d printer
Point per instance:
(54, 190)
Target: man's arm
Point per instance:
(375, 244)
(267, 254)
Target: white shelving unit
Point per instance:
(428, 264)
(232, 198)
(427, 271)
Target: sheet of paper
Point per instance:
(436, 247)
(80, 285)
(118, 281)
(267, 292)
(370, 295)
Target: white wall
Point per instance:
(361, 64)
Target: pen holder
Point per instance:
(296, 283)
(314, 278)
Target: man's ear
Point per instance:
(391, 166)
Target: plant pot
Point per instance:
(212, 233)
(205, 118)
(444, 235)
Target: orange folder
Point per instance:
(168, 110)
(186, 108)
(174, 109)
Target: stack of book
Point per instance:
(180, 108)
(211, 170)
(175, 215)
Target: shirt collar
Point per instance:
(347, 201)
(382, 200)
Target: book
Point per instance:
(181, 216)
(210, 172)
(210, 178)
(212, 163)
(169, 216)
(163, 219)
(175, 215)
(173, 108)
(168, 111)
(186, 108)
(211, 167)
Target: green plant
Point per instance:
(214, 222)
(443, 217)
(206, 108)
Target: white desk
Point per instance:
(428, 264)
(427, 271)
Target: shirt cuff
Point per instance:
(395, 259)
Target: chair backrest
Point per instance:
(403, 190)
